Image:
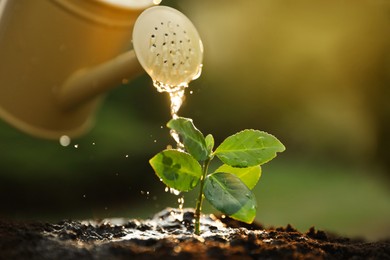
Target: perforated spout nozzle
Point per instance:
(167, 46)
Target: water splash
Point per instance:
(172, 191)
(181, 202)
(173, 223)
(176, 95)
(176, 137)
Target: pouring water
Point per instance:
(170, 50)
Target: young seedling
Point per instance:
(229, 188)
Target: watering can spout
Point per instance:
(87, 83)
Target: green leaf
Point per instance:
(178, 170)
(209, 143)
(228, 194)
(249, 148)
(193, 140)
(247, 213)
(249, 175)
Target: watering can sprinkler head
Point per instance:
(50, 88)
(168, 46)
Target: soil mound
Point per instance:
(168, 235)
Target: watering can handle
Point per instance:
(85, 84)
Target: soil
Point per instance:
(169, 235)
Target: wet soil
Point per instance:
(168, 235)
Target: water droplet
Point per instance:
(259, 140)
(127, 156)
(174, 192)
(65, 140)
(181, 202)
(76, 146)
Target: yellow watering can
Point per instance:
(58, 56)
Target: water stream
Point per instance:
(176, 95)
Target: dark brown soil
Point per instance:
(169, 235)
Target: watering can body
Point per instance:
(45, 43)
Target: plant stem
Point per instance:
(199, 202)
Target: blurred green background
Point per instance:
(313, 73)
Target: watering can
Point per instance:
(58, 56)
